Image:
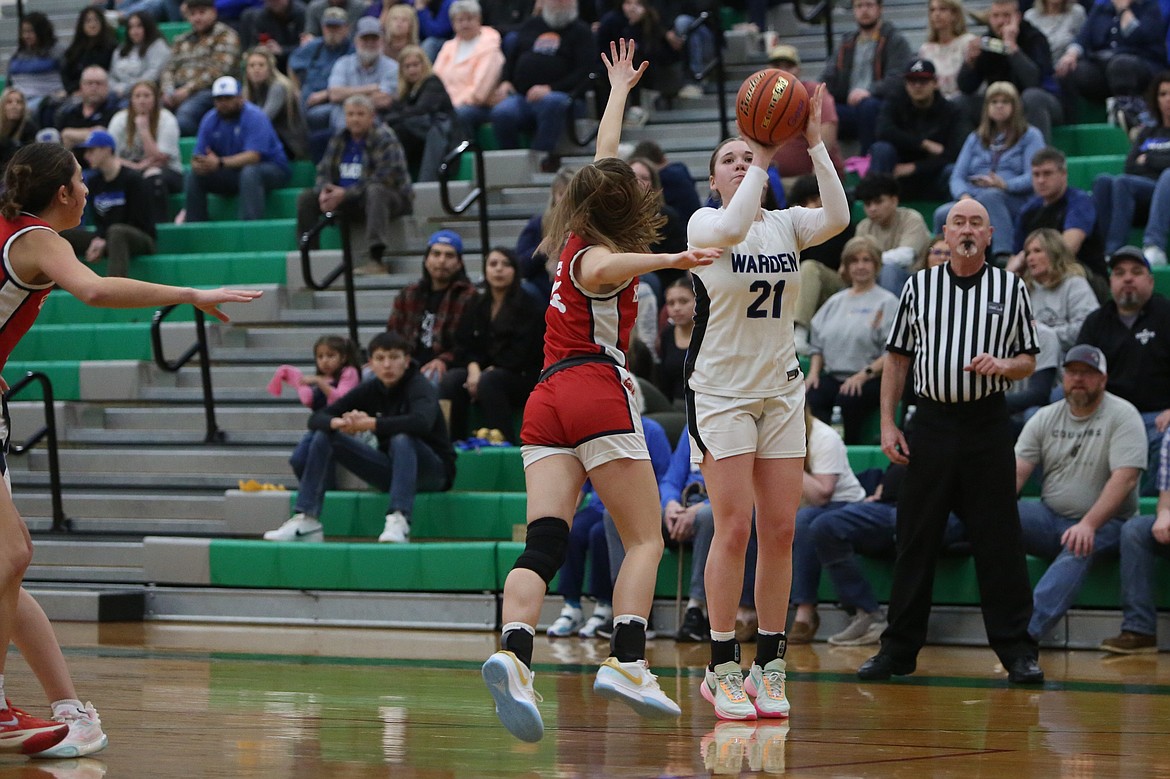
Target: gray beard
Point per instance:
(558, 19)
(368, 58)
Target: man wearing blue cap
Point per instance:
(120, 202)
(427, 312)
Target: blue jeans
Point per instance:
(572, 576)
(1000, 205)
(471, 117)
(191, 111)
(859, 121)
(1058, 587)
(409, 467)
(1148, 485)
(700, 44)
(806, 567)
(1120, 197)
(251, 183)
(545, 119)
(1139, 609)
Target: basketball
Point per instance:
(772, 106)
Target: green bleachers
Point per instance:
(115, 341)
(1082, 170)
(1085, 140)
(262, 235)
(65, 376)
(278, 204)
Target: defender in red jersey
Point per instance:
(580, 422)
(43, 194)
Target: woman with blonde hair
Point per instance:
(16, 125)
(399, 29)
(1061, 295)
(995, 165)
(946, 43)
(470, 65)
(264, 85)
(421, 116)
(1059, 20)
(147, 137)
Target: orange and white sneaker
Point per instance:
(766, 685)
(22, 732)
(723, 687)
(634, 685)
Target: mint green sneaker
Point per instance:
(723, 687)
(766, 685)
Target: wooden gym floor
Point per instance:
(245, 701)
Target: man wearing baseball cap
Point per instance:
(367, 71)
(427, 312)
(237, 152)
(1091, 449)
(312, 63)
(919, 132)
(1132, 329)
(120, 204)
(210, 50)
(792, 159)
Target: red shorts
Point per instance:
(578, 404)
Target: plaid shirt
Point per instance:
(410, 305)
(384, 161)
(198, 60)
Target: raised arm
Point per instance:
(622, 78)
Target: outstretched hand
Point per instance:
(693, 258)
(620, 64)
(812, 128)
(209, 300)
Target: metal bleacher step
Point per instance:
(90, 601)
(126, 513)
(162, 463)
(232, 418)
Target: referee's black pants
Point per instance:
(961, 460)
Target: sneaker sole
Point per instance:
(522, 719)
(750, 688)
(870, 637)
(33, 740)
(643, 706)
(709, 696)
(64, 750)
(1145, 650)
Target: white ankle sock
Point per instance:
(67, 706)
(720, 636)
(518, 626)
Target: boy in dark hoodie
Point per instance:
(412, 451)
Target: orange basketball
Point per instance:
(772, 106)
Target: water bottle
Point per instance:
(837, 422)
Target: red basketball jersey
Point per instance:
(19, 302)
(580, 323)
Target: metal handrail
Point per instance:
(821, 12)
(477, 195)
(214, 434)
(716, 67)
(61, 523)
(344, 268)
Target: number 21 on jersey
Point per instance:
(760, 308)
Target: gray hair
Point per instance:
(465, 7)
(362, 100)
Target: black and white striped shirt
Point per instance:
(944, 321)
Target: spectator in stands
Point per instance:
(1068, 210)
(315, 16)
(399, 24)
(422, 115)
(1061, 296)
(947, 43)
(91, 109)
(498, 348)
(1025, 396)
(434, 25)
(210, 50)
(312, 64)
(1133, 330)
(678, 187)
(1090, 449)
(363, 175)
(120, 204)
(147, 137)
(1145, 185)
(673, 234)
(1143, 539)
(413, 452)
(1059, 20)
(367, 71)
(237, 152)
(1118, 50)
(275, 26)
(141, 57)
(995, 166)
(819, 278)
(676, 339)
(553, 56)
(35, 67)
(900, 233)
(94, 42)
(427, 313)
(792, 159)
(1016, 52)
(533, 262)
(506, 16)
(919, 134)
(276, 95)
(865, 70)
(470, 65)
(642, 22)
(847, 342)
(16, 124)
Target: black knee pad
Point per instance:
(544, 547)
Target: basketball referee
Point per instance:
(968, 329)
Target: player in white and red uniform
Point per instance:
(745, 404)
(43, 193)
(581, 422)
